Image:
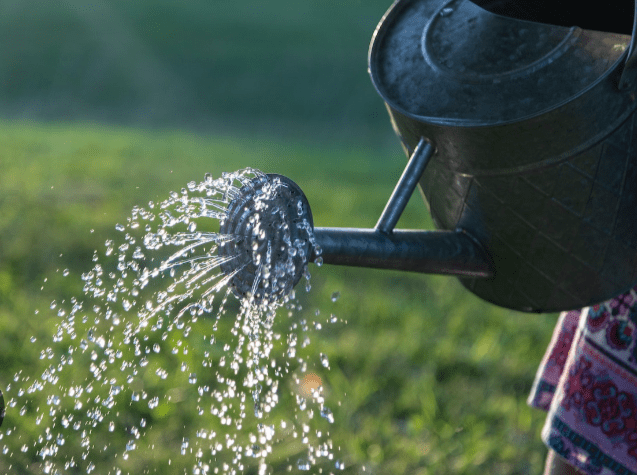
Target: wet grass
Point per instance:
(425, 378)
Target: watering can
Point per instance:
(522, 139)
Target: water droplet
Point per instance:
(446, 11)
(324, 360)
(184, 446)
(153, 403)
(335, 296)
(119, 227)
(326, 413)
(303, 464)
(192, 379)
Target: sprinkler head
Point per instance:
(268, 239)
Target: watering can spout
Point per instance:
(273, 238)
(431, 252)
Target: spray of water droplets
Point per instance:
(159, 323)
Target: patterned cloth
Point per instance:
(587, 383)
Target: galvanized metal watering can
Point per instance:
(523, 140)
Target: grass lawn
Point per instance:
(424, 378)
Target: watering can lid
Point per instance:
(451, 62)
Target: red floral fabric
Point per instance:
(587, 383)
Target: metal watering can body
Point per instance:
(534, 133)
(522, 139)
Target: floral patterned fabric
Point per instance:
(587, 383)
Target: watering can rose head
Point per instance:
(268, 239)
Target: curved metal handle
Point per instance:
(629, 74)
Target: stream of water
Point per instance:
(158, 324)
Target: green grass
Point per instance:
(425, 378)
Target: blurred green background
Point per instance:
(109, 104)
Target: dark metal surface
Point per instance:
(432, 252)
(453, 63)
(536, 154)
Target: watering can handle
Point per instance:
(629, 74)
(405, 186)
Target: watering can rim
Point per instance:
(625, 64)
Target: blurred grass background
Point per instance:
(110, 104)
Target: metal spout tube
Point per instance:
(431, 252)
